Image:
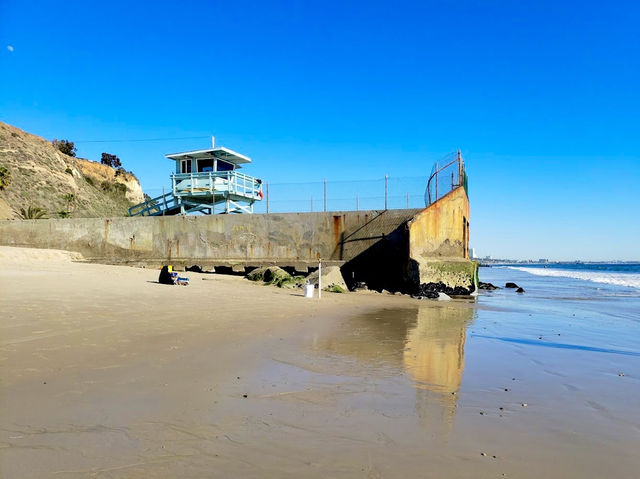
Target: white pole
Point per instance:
(386, 192)
(325, 195)
(319, 278)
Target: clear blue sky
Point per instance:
(541, 97)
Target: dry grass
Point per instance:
(42, 177)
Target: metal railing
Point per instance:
(211, 182)
(155, 206)
(445, 178)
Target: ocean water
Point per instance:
(590, 305)
(626, 275)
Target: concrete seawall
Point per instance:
(386, 249)
(252, 240)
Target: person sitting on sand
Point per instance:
(165, 276)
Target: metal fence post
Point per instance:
(436, 174)
(325, 195)
(386, 192)
(267, 197)
(164, 200)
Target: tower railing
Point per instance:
(212, 182)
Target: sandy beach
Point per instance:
(106, 373)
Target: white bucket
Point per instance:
(308, 290)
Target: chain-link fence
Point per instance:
(446, 175)
(386, 192)
(382, 193)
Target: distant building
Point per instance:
(472, 253)
(488, 257)
(543, 260)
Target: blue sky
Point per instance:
(541, 97)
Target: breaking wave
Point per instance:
(618, 279)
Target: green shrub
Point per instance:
(33, 213)
(5, 178)
(111, 160)
(113, 187)
(89, 180)
(69, 171)
(70, 198)
(65, 146)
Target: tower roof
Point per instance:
(220, 153)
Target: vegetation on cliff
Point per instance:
(36, 174)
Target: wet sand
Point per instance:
(107, 374)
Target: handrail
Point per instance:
(231, 182)
(153, 205)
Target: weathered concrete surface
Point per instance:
(441, 230)
(439, 242)
(395, 250)
(291, 239)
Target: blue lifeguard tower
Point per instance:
(208, 182)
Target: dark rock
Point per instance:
(511, 285)
(359, 285)
(487, 286)
(431, 290)
(519, 290)
(195, 268)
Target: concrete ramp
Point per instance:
(374, 229)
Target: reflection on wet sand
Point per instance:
(426, 342)
(434, 358)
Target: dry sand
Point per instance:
(106, 373)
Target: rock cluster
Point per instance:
(514, 286)
(332, 279)
(276, 276)
(359, 286)
(431, 290)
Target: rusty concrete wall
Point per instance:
(394, 250)
(442, 229)
(289, 239)
(439, 243)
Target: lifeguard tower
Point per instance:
(205, 181)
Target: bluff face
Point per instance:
(43, 177)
